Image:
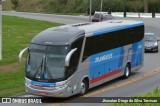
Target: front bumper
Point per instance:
(60, 92)
(153, 48)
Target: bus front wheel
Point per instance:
(84, 87)
(127, 72)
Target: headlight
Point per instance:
(156, 44)
(60, 87)
(63, 85)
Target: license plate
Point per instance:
(43, 93)
(148, 48)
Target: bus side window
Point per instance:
(112, 40)
(90, 47)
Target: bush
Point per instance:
(15, 3)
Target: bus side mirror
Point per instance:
(21, 54)
(68, 57)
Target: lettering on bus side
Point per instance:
(103, 58)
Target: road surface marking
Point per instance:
(112, 87)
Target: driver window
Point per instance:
(76, 56)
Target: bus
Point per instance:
(71, 59)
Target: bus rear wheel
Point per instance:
(84, 87)
(127, 72)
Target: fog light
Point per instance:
(61, 93)
(27, 91)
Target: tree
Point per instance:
(15, 3)
(145, 6)
(113, 6)
(154, 7)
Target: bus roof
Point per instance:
(110, 25)
(66, 34)
(58, 36)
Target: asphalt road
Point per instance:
(151, 25)
(118, 87)
(65, 19)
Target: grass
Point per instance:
(155, 93)
(17, 34)
(12, 82)
(11, 79)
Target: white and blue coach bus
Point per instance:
(70, 59)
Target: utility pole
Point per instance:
(90, 11)
(124, 14)
(0, 30)
(101, 10)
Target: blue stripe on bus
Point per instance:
(137, 53)
(116, 29)
(103, 67)
(43, 84)
(134, 55)
(121, 57)
(140, 50)
(105, 62)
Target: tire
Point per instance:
(84, 87)
(156, 50)
(126, 72)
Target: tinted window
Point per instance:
(150, 38)
(46, 62)
(75, 57)
(55, 61)
(108, 17)
(97, 15)
(108, 41)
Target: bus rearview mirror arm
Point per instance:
(68, 57)
(21, 54)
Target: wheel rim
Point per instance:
(83, 87)
(127, 71)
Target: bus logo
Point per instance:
(103, 58)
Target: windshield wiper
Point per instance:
(46, 69)
(40, 66)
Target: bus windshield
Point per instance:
(46, 63)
